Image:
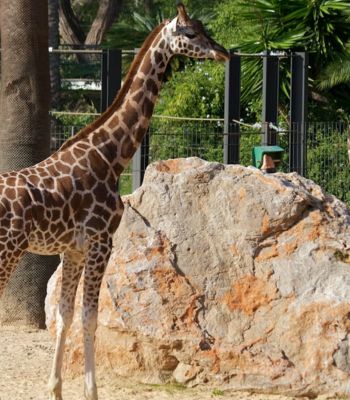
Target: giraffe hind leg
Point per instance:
(73, 264)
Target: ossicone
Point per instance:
(182, 14)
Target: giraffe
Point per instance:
(68, 204)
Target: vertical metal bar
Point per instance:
(298, 112)
(140, 162)
(270, 98)
(111, 76)
(232, 109)
(136, 169)
(104, 84)
(144, 154)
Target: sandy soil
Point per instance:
(25, 360)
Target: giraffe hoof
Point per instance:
(55, 389)
(54, 396)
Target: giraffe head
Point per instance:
(188, 37)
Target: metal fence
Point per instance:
(327, 161)
(87, 77)
(324, 148)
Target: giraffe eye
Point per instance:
(190, 35)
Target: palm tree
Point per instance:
(25, 136)
(318, 26)
(336, 73)
(131, 34)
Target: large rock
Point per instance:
(225, 275)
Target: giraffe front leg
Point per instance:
(96, 263)
(73, 264)
(8, 263)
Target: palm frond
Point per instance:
(336, 73)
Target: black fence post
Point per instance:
(111, 76)
(270, 98)
(140, 162)
(298, 112)
(232, 109)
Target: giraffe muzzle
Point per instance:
(220, 53)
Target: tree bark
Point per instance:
(54, 41)
(148, 4)
(71, 30)
(25, 137)
(106, 15)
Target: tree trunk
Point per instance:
(106, 15)
(25, 137)
(71, 30)
(148, 4)
(54, 41)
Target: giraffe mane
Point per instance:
(83, 133)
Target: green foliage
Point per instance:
(71, 69)
(327, 162)
(171, 138)
(318, 26)
(195, 91)
(125, 182)
(230, 27)
(336, 73)
(130, 32)
(86, 10)
(218, 392)
(73, 120)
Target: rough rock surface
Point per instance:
(227, 276)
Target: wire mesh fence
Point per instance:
(323, 147)
(327, 160)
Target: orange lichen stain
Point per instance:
(267, 253)
(137, 235)
(234, 250)
(167, 280)
(242, 193)
(265, 224)
(289, 248)
(156, 252)
(308, 229)
(133, 258)
(249, 293)
(314, 331)
(315, 231)
(170, 166)
(271, 182)
(175, 166)
(173, 288)
(190, 313)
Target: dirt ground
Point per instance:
(25, 360)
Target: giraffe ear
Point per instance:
(182, 14)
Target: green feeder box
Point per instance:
(267, 158)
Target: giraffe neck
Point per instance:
(117, 134)
(130, 122)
